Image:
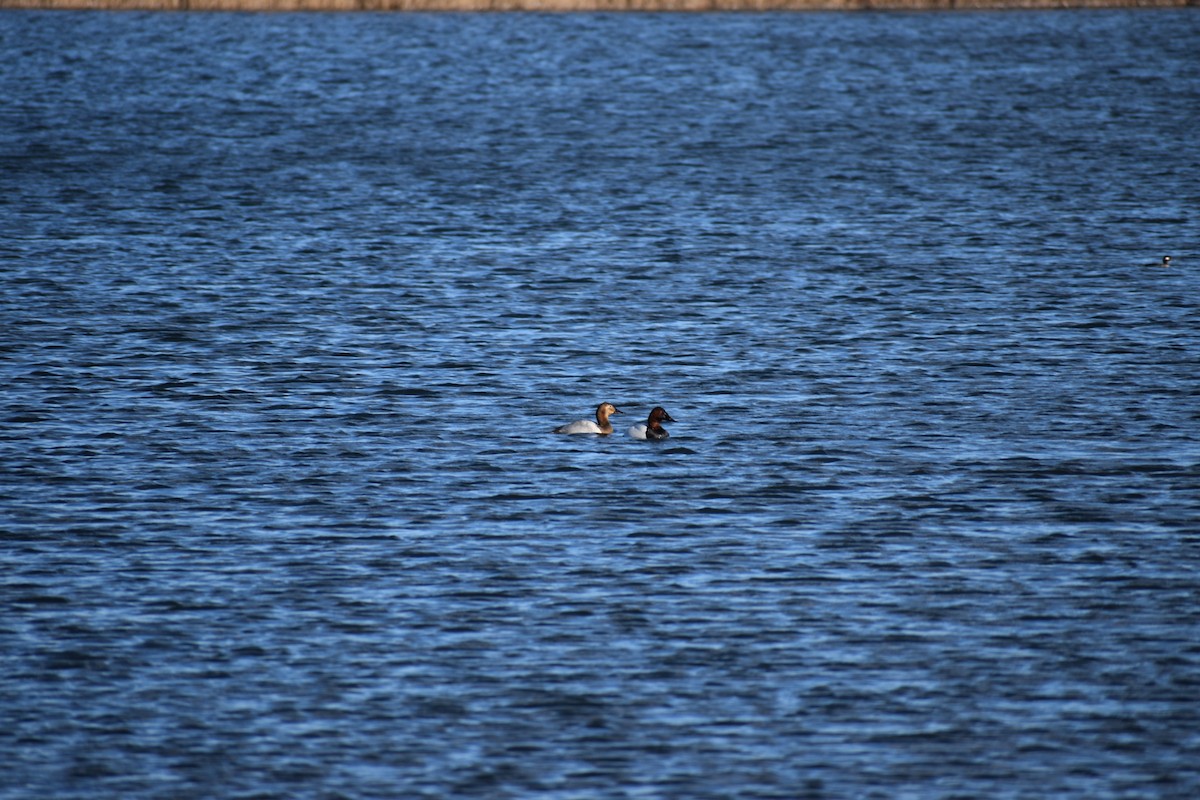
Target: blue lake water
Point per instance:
(292, 302)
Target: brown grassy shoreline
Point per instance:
(585, 5)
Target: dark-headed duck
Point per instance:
(653, 428)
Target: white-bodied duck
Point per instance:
(601, 425)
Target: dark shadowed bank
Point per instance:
(586, 5)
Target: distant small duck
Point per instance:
(653, 428)
(601, 425)
(1166, 262)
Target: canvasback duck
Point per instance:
(653, 428)
(601, 425)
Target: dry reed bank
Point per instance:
(583, 5)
